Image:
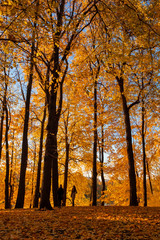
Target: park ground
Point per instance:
(108, 223)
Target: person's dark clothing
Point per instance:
(60, 193)
(73, 194)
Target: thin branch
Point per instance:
(136, 102)
(23, 10)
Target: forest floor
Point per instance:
(108, 223)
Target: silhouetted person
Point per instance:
(73, 194)
(60, 194)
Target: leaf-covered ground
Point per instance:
(109, 223)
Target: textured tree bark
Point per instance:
(132, 176)
(51, 154)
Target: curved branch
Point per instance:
(136, 102)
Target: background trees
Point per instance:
(84, 67)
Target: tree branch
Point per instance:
(136, 102)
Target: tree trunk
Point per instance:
(50, 162)
(144, 156)
(33, 170)
(1, 128)
(51, 154)
(132, 176)
(55, 171)
(24, 156)
(46, 184)
(150, 182)
(66, 171)
(11, 182)
(94, 174)
(7, 202)
(37, 189)
(102, 162)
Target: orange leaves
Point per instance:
(81, 223)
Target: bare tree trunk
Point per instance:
(11, 182)
(1, 128)
(46, 184)
(55, 172)
(67, 146)
(24, 157)
(132, 176)
(144, 160)
(150, 182)
(33, 170)
(66, 171)
(7, 202)
(37, 189)
(94, 174)
(102, 164)
(51, 155)
(144, 152)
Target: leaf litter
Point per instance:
(97, 223)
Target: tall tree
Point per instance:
(132, 176)
(144, 151)
(120, 62)
(1, 125)
(7, 189)
(65, 32)
(67, 148)
(37, 188)
(95, 125)
(24, 156)
(94, 174)
(101, 159)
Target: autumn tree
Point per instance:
(71, 139)
(121, 67)
(55, 49)
(21, 190)
(101, 143)
(66, 22)
(38, 183)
